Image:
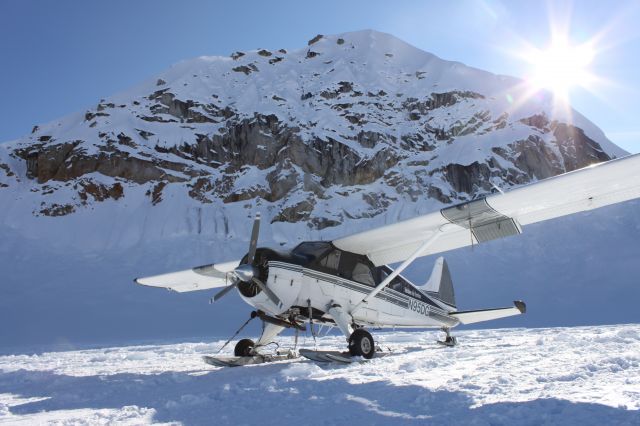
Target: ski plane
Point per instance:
(346, 282)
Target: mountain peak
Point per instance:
(350, 129)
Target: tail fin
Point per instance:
(440, 282)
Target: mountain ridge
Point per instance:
(336, 132)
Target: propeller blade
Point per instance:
(224, 291)
(254, 239)
(271, 295)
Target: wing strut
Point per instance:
(398, 270)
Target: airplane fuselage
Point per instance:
(332, 277)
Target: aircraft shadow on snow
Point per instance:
(261, 394)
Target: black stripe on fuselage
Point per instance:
(351, 285)
(387, 294)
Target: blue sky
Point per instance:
(62, 56)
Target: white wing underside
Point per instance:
(585, 189)
(200, 278)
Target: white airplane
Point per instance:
(346, 282)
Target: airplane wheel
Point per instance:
(361, 344)
(244, 348)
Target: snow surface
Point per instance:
(570, 376)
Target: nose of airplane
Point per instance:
(244, 272)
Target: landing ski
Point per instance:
(322, 356)
(342, 359)
(337, 356)
(448, 342)
(239, 361)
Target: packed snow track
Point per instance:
(585, 375)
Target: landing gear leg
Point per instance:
(342, 319)
(449, 339)
(248, 348)
(269, 332)
(360, 341)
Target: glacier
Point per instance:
(568, 376)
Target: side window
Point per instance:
(395, 284)
(331, 260)
(362, 274)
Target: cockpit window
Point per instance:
(312, 249)
(396, 284)
(331, 260)
(362, 274)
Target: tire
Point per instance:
(244, 348)
(361, 344)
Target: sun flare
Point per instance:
(561, 67)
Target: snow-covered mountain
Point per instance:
(350, 132)
(352, 126)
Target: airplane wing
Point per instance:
(501, 215)
(200, 278)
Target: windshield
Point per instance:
(312, 249)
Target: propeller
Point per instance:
(222, 292)
(247, 272)
(254, 239)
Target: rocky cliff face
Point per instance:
(340, 130)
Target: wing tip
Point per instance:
(147, 284)
(143, 281)
(520, 305)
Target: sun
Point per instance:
(561, 67)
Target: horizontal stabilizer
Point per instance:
(470, 317)
(200, 278)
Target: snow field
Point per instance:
(582, 375)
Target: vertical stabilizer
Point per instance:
(440, 282)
